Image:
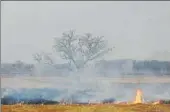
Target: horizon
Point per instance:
(95, 61)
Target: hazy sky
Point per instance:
(138, 30)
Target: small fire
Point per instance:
(157, 102)
(139, 96)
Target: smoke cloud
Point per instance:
(82, 86)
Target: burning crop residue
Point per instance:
(139, 97)
(136, 105)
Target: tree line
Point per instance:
(80, 50)
(138, 67)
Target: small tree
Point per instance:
(43, 58)
(78, 50)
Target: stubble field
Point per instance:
(88, 108)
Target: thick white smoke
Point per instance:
(83, 86)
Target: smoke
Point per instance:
(83, 86)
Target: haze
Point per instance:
(138, 30)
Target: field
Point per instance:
(88, 108)
(65, 83)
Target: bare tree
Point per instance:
(37, 57)
(79, 50)
(43, 58)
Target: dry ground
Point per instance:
(87, 108)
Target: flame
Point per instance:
(139, 96)
(157, 102)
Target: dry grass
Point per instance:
(87, 108)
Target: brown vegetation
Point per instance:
(88, 108)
